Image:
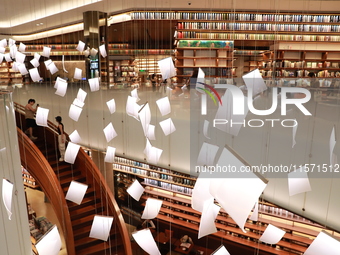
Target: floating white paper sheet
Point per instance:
(36, 56)
(94, 84)
(225, 112)
(332, 143)
(35, 76)
(200, 192)
(151, 132)
(63, 63)
(7, 194)
(93, 52)
(20, 57)
(207, 154)
(22, 69)
(205, 129)
(47, 63)
(146, 241)
(46, 52)
(8, 57)
(167, 126)
(42, 116)
(199, 81)
(80, 46)
(164, 105)
(147, 148)
(101, 227)
(145, 118)
(102, 51)
(78, 103)
(76, 192)
(109, 132)
(111, 105)
(75, 137)
(294, 134)
(71, 152)
(22, 47)
(153, 155)
(81, 95)
(207, 222)
(50, 244)
(11, 42)
(53, 68)
(110, 154)
(2, 50)
(135, 190)
(255, 215)
(35, 62)
(242, 189)
(134, 93)
(1, 57)
(3, 43)
(15, 66)
(13, 51)
(221, 251)
(74, 112)
(77, 74)
(61, 86)
(254, 82)
(152, 208)
(298, 181)
(167, 68)
(132, 107)
(272, 235)
(323, 244)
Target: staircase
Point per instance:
(97, 201)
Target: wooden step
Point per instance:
(99, 248)
(66, 182)
(82, 222)
(86, 211)
(84, 203)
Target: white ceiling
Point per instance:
(22, 16)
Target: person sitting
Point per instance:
(186, 241)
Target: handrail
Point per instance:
(35, 162)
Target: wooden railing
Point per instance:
(35, 162)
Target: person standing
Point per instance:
(30, 120)
(154, 82)
(61, 138)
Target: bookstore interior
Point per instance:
(191, 127)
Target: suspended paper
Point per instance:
(13, 51)
(151, 132)
(272, 235)
(323, 244)
(294, 133)
(205, 129)
(7, 194)
(50, 244)
(80, 46)
(254, 82)
(132, 107)
(35, 76)
(167, 126)
(22, 47)
(81, 95)
(35, 62)
(221, 251)
(207, 154)
(42, 116)
(101, 227)
(135, 190)
(74, 112)
(145, 118)
(164, 105)
(167, 68)
(102, 51)
(36, 56)
(47, 63)
(110, 154)
(153, 155)
(61, 86)
(146, 241)
(22, 69)
(94, 84)
(78, 103)
(93, 52)
(53, 68)
(109, 132)
(75, 137)
(236, 188)
(111, 105)
(20, 57)
(298, 181)
(46, 52)
(207, 222)
(152, 208)
(3, 43)
(77, 74)
(8, 57)
(11, 42)
(332, 143)
(63, 63)
(255, 215)
(76, 192)
(71, 152)
(134, 93)
(200, 192)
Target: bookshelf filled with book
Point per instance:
(28, 179)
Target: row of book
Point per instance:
(298, 73)
(168, 186)
(259, 26)
(235, 36)
(141, 52)
(237, 16)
